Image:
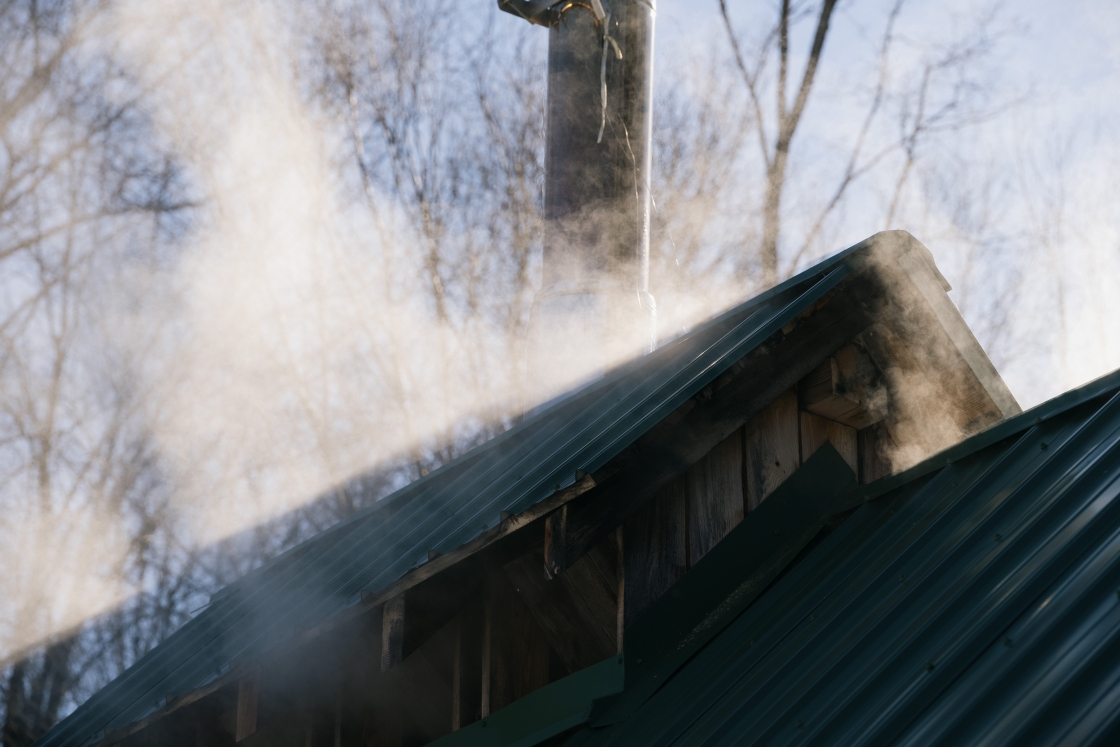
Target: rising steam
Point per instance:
(298, 342)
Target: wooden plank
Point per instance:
(816, 432)
(308, 720)
(928, 413)
(970, 408)
(918, 265)
(434, 603)
(620, 565)
(248, 690)
(389, 729)
(874, 444)
(423, 685)
(392, 633)
(437, 565)
(577, 610)
(411, 703)
(232, 677)
(847, 388)
(457, 678)
(715, 496)
(487, 650)
(772, 448)
(471, 662)
(655, 553)
(518, 646)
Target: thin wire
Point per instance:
(603, 77)
(607, 40)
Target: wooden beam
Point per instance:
(509, 525)
(420, 690)
(232, 677)
(919, 266)
(873, 444)
(307, 723)
(457, 678)
(248, 691)
(847, 388)
(555, 541)
(487, 650)
(392, 633)
(471, 625)
(620, 619)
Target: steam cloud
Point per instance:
(302, 346)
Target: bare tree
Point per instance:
(941, 96)
(81, 498)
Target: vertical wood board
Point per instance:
(772, 448)
(472, 650)
(392, 633)
(715, 496)
(577, 610)
(817, 431)
(655, 548)
(518, 646)
(874, 459)
(457, 678)
(247, 692)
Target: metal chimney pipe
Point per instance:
(594, 307)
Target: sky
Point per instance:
(1060, 62)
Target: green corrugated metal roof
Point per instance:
(446, 509)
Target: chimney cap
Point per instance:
(549, 12)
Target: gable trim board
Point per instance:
(600, 451)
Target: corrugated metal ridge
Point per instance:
(891, 628)
(315, 584)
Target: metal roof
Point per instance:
(974, 599)
(447, 508)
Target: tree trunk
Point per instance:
(772, 219)
(15, 733)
